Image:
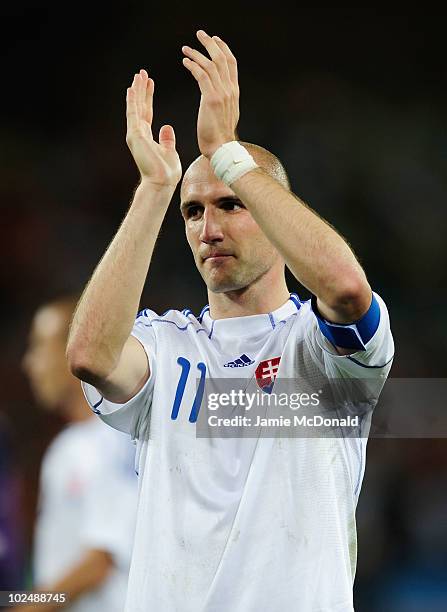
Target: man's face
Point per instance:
(44, 361)
(230, 250)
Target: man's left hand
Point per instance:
(218, 83)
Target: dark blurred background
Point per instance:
(353, 103)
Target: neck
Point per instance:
(264, 295)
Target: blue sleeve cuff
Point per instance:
(352, 335)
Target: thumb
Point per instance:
(167, 137)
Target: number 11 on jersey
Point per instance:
(185, 365)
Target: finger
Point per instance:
(149, 102)
(131, 109)
(141, 91)
(216, 54)
(206, 65)
(200, 75)
(167, 137)
(135, 83)
(231, 60)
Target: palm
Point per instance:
(157, 161)
(218, 82)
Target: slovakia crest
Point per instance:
(266, 373)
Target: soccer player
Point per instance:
(242, 524)
(88, 488)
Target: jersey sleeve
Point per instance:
(375, 344)
(131, 417)
(110, 500)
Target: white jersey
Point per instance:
(251, 524)
(88, 500)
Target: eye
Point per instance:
(231, 205)
(194, 212)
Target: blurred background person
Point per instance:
(87, 499)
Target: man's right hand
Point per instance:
(158, 163)
(101, 350)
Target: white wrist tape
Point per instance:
(231, 161)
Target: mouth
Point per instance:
(217, 257)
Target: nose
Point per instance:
(211, 230)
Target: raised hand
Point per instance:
(218, 83)
(158, 162)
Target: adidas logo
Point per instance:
(243, 361)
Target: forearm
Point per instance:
(86, 576)
(314, 252)
(106, 312)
